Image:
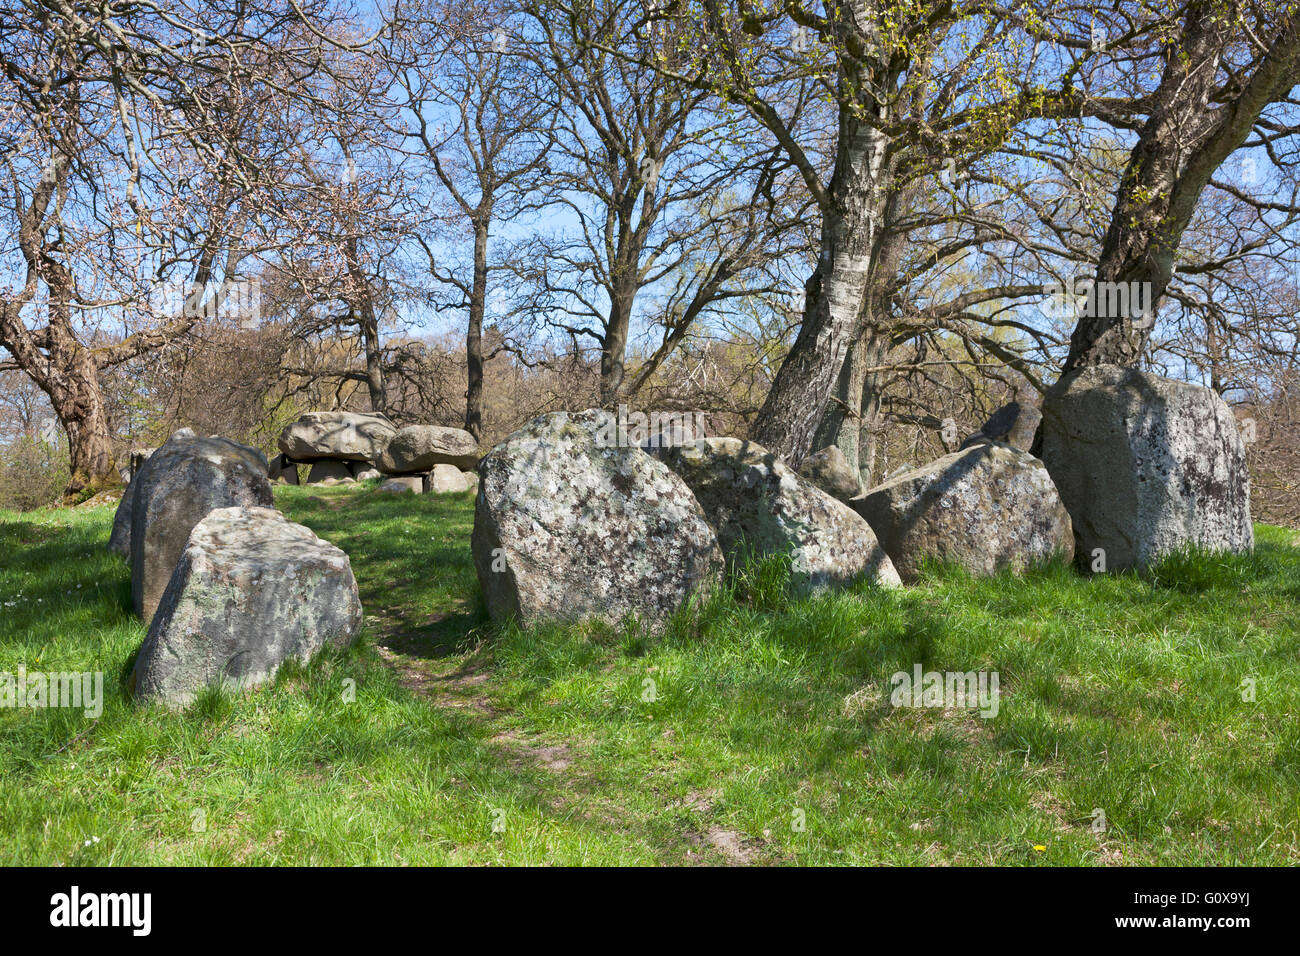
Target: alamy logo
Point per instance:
(73, 909)
(37, 690)
(977, 690)
(655, 429)
(1087, 298)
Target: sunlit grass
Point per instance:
(758, 728)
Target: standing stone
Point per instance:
(829, 470)
(180, 483)
(417, 448)
(352, 436)
(325, 469)
(1146, 465)
(471, 480)
(119, 539)
(251, 590)
(447, 478)
(283, 470)
(759, 507)
(987, 508)
(568, 525)
(1013, 424)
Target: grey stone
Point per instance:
(401, 483)
(283, 470)
(758, 506)
(365, 472)
(829, 470)
(119, 540)
(180, 483)
(324, 469)
(1013, 424)
(568, 527)
(445, 479)
(987, 508)
(250, 591)
(352, 436)
(1146, 465)
(417, 448)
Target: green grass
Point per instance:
(768, 738)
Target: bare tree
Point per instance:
(671, 200)
(470, 109)
(1245, 58)
(135, 152)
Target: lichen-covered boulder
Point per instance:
(1146, 465)
(758, 506)
(568, 527)
(352, 436)
(445, 479)
(119, 539)
(421, 447)
(829, 470)
(987, 508)
(178, 486)
(251, 590)
(1014, 424)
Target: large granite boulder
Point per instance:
(566, 529)
(180, 483)
(830, 471)
(987, 508)
(758, 506)
(352, 436)
(119, 539)
(251, 590)
(1146, 465)
(1014, 424)
(420, 447)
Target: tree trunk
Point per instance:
(70, 377)
(856, 400)
(613, 348)
(368, 323)
(842, 416)
(474, 336)
(1178, 149)
(834, 295)
(869, 438)
(75, 394)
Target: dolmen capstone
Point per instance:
(759, 507)
(987, 508)
(571, 525)
(1146, 466)
(419, 448)
(250, 590)
(347, 447)
(175, 489)
(337, 445)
